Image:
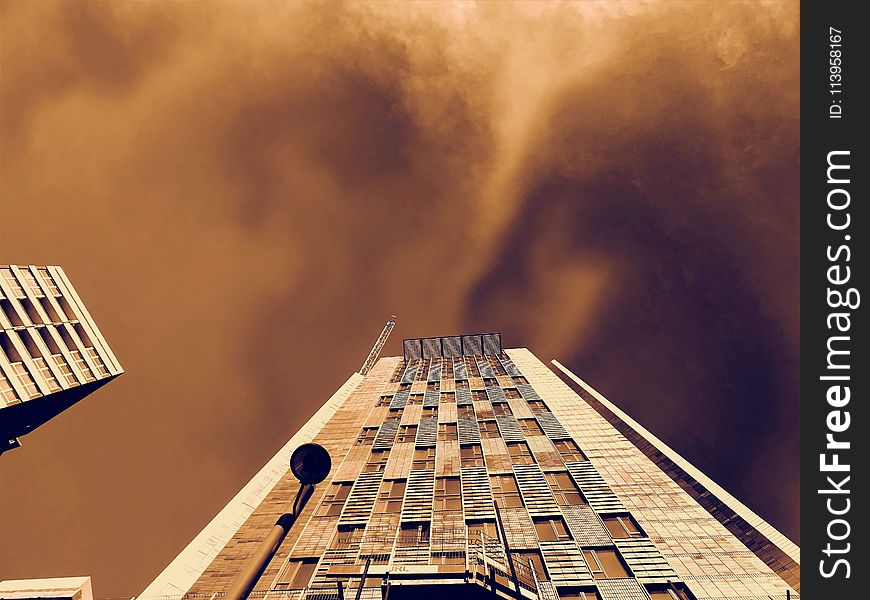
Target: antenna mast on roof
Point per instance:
(379, 345)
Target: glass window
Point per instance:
(487, 529)
(605, 563)
(564, 489)
(520, 453)
(384, 401)
(488, 429)
(424, 458)
(448, 397)
(530, 427)
(530, 560)
(505, 491)
(512, 393)
(298, 572)
(551, 530)
(569, 451)
(390, 496)
(471, 456)
(448, 494)
(26, 379)
(377, 461)
(466, 411)
(7, 392)
(501, 408)
(413, 534)
(407, 433)
(46, 373)
(415, 399)
(447, 431)
(366, 436)
(519, 380)
(622, 526)
(395, 415)
(334, 499)
(537, 406)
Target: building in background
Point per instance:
(57, 588)
(51, 352)
(462, 468)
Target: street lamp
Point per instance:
(310, 463)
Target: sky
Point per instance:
(243, 192)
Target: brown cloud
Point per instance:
(243, 191)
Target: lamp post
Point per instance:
(310, 464)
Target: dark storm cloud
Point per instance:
(611, 184)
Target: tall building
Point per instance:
(462, 468)
(51, 352)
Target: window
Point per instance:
(564, 489)
(64, 368)
(489, 381)
(530, 427)
(334, 499)
(377, 461)
(531, 560)
(465, 412)
(479, 396)
(384, 401)
(671, 591)
(520, 453)
(505, 491)
(349, 536)
(488, 429)
(432, 386)
(26, 379)
(298, 572)
(578, 594)
(447, 431)
(501, 408)
(461, 384)
(424, 458)
(471, 456)
(512, 393)
(551, 530)
(17, 290)
(448, 494)
(30, 281)
(52, 286)
(622, 526)
(569, 450)
(393, 416)
(413, 534)
(430, 412)
(486, 530)
(82, 365)
(415, 399)
(390, 496)
(520, 380)
(537, 406)
(7, 392)
(46, 373)
(366, 436)
(605, 563)
(407, 433)
(448, 397)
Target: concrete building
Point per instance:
(51, 352)
(463, 468)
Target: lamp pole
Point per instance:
(310, 464)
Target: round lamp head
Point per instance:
(310, 463)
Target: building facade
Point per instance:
(51, 352)
(463, 468)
